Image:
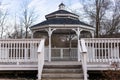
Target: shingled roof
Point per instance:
(61, 21)
(61, 17)
(61, 12)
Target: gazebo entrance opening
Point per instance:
(63, 45)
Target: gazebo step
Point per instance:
(62, 72)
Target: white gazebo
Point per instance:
(62, 31)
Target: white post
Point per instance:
(61, 53)
(84, 56)
(49, 34)
(40, 58)
(92, 33)
(32, 35)
(78, 35)
(39, 66)
(85, 65)
(78, 50)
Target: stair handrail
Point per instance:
(40, 52)
(83, 53)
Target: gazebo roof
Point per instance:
(61, 17)
(61, 12)
(61, 21)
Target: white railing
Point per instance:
(40, 58)
(64, 53)
(18, 51)
(103, 49)
(83, 56)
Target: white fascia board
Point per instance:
(62, 15)
(72, 26)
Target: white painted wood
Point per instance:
(10, 55)
(83, 53)
(104, 49)
(83, 46)
(40, 52)
(63, 53)
(50, 31)
(13, 52)
(78, 30)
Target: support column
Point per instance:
(49, 47)
(84, 55)
(32, 35)
(92, 33)
(49, 34)
(78, 36)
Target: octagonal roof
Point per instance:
(61, 17)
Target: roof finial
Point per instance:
(61, 6)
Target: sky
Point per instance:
(42, 7)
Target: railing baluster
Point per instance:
(17, 50)
(88, 50)
(118, 51)
(91, 51)
(115, 57)
(11, 51)
(112, 51)
(95, 50)
(98, 46)
(105, 50)
(3, 51)
(115, 51)
(10, 46)
(0, 50)
(61, 53)
(34, 50)
(101, 51)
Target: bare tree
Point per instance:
(96, 10)
(28, 17)
(3, 16)
(112, 24)
(16, 31)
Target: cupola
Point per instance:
(61, 6)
